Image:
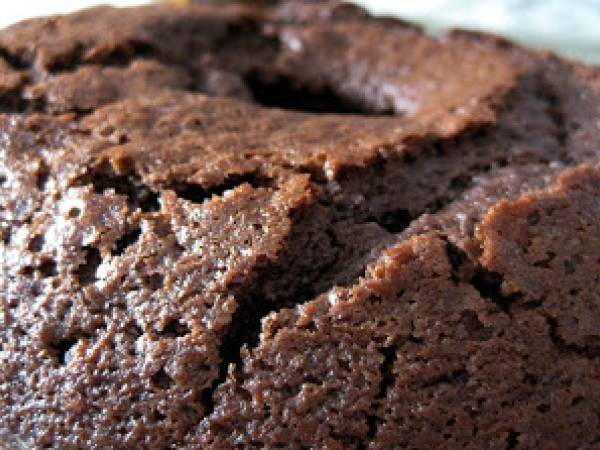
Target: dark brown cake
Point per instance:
(291, 225)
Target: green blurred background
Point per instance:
(569, 27)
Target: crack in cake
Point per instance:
(291, 224)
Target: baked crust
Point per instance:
(241, 225)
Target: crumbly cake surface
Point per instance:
(239, 226)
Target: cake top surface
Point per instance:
(240, 225)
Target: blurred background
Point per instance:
(569, 27)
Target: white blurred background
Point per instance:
(570, 27)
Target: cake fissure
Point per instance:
(240, 226)
(463, 346)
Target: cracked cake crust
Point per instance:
(238, 226)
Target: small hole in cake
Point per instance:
(87, 271)
(458, 260)
(415, 339)
(61, 348)
(312, 380)
(161, 380)
(74, 213)
(284, 92)
(373, 423)
(154, 281)
(197, 194)
(134, 330)
(42, 178)
(395, 221)
(121, 54)
(512, 440)
(27, 271)
(175, 328)
(48, 268)
(36, 244)
(386, 370)
(533, 218)
(529, 379)
(460, 182)
(3, 179)
(126, 240)
(5, 235)
(489, 286)
(106, 130)
(543, 408)
(546, 262)
(158, 416)
(438, 148)
(36, 289)
(138, 195)
(120, 138)
(375, 299)
(569, 267)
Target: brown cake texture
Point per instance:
(293, 225)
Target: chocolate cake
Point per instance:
(293, 225)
